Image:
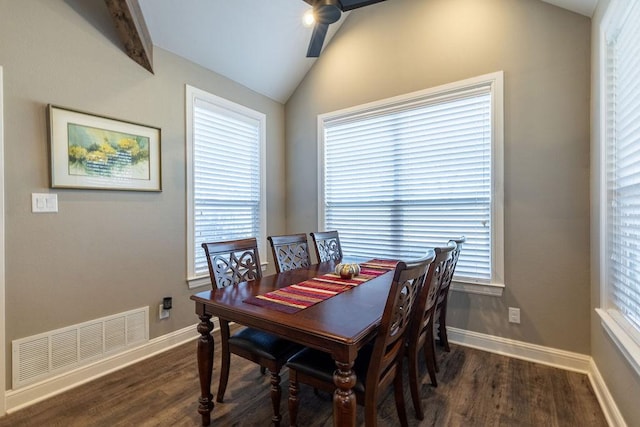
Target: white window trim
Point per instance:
(3, 372)
(616, 326)
(489, 289)
(192, 93)
(496, 81)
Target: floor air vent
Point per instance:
(51, 353)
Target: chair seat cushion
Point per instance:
(321, 365)
(264, 344)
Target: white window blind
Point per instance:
(411, 174)
(623, 167)
(227, 169)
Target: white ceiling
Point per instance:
(261, 44)
(583, 7)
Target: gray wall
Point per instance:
(621, 379)
(105, 251)
(401, 46)
(110, 251)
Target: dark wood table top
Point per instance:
(339, 325)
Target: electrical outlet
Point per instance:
(162, 313)
(514, 315)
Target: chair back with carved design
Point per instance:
(233, 261)
(327, 244)
(230, 263)
(290, 252)
(420, 335)
(389, 347)
(440, 316)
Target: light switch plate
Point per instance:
(514, 315)
(44, 202)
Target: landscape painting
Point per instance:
(91, 151)
(103, 152)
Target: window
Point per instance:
(620, 188)
(225, 176)
(411, 172)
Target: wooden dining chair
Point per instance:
(290, 252)
(327, 244)
(230, 263)
(379, 363)
(420, 335)
(440, 317)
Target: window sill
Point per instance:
(629, 348)
(197, 282)
(490, 289)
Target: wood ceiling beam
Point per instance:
(132, 29)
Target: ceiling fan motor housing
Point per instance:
(326, 11)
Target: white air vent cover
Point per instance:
(44, 355)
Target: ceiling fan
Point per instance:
(327, 12)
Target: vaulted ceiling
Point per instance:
(260, 44)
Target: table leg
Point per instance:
(205, 367)
(344, 400)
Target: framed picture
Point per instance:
(90, 151)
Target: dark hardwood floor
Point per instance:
(475, 388)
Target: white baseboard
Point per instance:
(521, 350)
(25, 396)
(547, 356)
(608, 405)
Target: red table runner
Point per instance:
(299, 296)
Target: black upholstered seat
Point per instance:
(320, 365)
(263, 344)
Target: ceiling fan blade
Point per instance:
(346, 5)
(317, 40)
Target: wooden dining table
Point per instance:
(340, 325)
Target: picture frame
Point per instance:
(101, 153)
